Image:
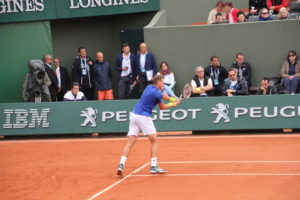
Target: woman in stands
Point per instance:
(283, 13)
(241, 17)
(169, 78)
(218, 9)
(264, 15)
(290, 72)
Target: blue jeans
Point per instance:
(167, 90)
(291, 85)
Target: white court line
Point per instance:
(224, 174)
(237, 161)
(116, 183)
(61, 140)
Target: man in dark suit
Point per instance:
(63, 79)
(145, 67)
(50, 72)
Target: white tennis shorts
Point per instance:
(140, 123)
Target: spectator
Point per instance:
(51, 74)
(220, 19)
(264, 15)
(169, 79)
(218, 9)
(231, 13)
(275, 5)
(63, 79)
(233, 85)
(83, 74)
(103, 78)
(294, 6)
(256, 5)
(290, 72)
(243, 68)
(202, 85)
(266, 88)
(283, 13)
(217, 73)
(241, 17)
(145, 67)
(74, 94)
(125, 66)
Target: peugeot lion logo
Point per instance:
(90, 116)
(222, 111)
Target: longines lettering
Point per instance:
(75, 4)
(16, 6)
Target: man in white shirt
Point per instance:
(202, 85)
(125, 66)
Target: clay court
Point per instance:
(229, 167)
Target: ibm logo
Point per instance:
(22, 118)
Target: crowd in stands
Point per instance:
(259, 10)
(92, 79)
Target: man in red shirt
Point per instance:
(231, 13)
(275, 5)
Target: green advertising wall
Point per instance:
(212, 113)
(20, 10)
(18, 44)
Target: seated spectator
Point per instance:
(255, 6)
(217, 73)
(103, 78)
(233, 86)
(74, 94)
(283, 13)
(290, 72)
(220, 19)
(231, 13)
(243, 68)
(218, 9)
(241, 17)
(169, 79)
(264, 15)
(266, 88)
(202, 85)
(275, 5)
(294, 6)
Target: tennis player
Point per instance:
(140, 119)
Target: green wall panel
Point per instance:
(20, 43)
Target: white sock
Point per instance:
(154, 161)
(123, 160)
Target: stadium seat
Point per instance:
(274, 17)
(253, 18)
(293, 16)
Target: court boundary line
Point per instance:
(234, 161)
(222, 174)
(60, 140)
(117, 182)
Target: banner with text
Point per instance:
(215, 113)
(36, 10)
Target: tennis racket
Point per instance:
(186, 91)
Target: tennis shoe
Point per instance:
(120, 170)
(157, 170)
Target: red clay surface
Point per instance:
(85, 169)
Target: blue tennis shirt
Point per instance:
(150, 97)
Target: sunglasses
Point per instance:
(292, 55)
(264, 13)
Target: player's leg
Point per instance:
(154, 152)
(132, 136)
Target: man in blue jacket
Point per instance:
(145, 67)
(125, 66)
(103, 78)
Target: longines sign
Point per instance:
(33, 10)
(215, 113)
